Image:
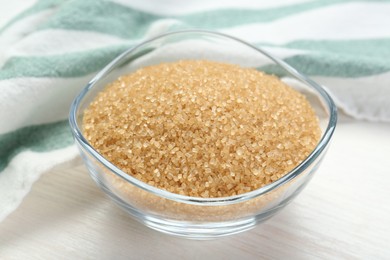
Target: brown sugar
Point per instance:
(201, 128)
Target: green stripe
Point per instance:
(40, 138)
(66, 65)
(332, 66)
(338, 58)
(123, 21)
(345, 58)
(39, 6)
(101, 16)
(374, 48)
(224, 18)
(338, 65)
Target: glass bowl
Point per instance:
(194, 217)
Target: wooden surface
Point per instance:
(343, 213)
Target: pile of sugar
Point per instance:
(201, 128)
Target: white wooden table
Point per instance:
(344, 213)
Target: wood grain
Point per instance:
(344, 213)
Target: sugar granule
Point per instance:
(202, 128)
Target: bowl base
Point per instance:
(193, 230)
(200, 231)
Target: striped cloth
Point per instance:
(50, 51)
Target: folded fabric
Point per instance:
(51, 50)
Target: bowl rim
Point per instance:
(322, 144)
